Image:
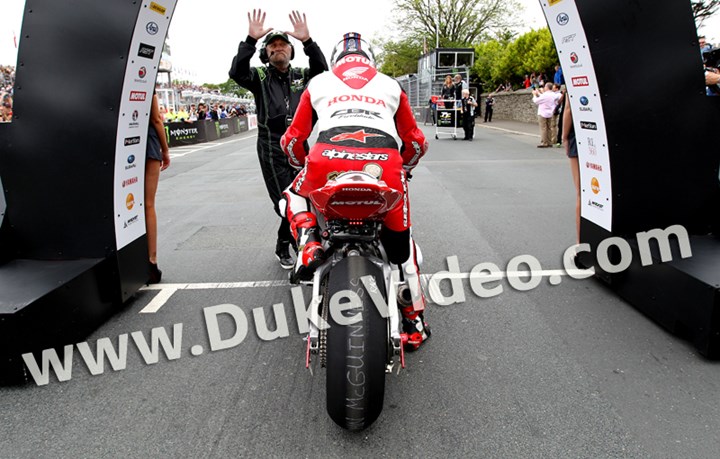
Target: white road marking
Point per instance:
(207, 145)
(159, 301)
(165, 291)
(507, 130)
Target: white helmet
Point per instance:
(352, 43)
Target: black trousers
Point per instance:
(278, 175)
(468, 126)
(488, 114)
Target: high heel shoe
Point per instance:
(154, 274)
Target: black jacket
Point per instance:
(276, 94)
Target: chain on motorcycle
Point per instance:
(322, 341)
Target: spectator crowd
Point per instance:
(7, 83)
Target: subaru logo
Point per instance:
(584, 100)
(131, 159)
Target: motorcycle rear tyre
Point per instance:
(356, 353)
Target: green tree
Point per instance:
(231, 87)
(497, 62)
(399, 57)
(457, 22)
(485, 70)
(542, 55)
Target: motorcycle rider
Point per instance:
(277, 88)
(365, 123)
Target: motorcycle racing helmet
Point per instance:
(352, 43)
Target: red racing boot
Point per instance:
(413, 321)
(310, 250)
(412, 301)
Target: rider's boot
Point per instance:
(310, 250)
(304, 227)
(412, 302)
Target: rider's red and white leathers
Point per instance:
(364, 122)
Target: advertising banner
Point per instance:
(224, 127)
(447, 117)
(252, 122)
(588, 120)
(242, 123)
(143, 58)
(184, 133)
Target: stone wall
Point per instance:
(516, 105)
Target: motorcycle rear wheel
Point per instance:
(356, 353)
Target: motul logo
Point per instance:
(356, 98)
(137, 96)
(580, 81)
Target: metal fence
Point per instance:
(419, 87)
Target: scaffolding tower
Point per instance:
(432, 69)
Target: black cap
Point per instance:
(273, 35)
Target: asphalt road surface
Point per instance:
(566, 370)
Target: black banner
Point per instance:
(447, 117)
(190, 133)
(184, 133)
(242, 124)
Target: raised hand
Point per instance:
(256, 23)
(299, 23)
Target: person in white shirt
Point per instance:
(546, 100)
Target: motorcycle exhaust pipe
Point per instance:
(404, 296)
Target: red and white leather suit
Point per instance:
(364, 120)
(365, 123)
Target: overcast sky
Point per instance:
(204, 34)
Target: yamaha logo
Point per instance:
(129, 181)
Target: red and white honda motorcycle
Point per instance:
(355, 322)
